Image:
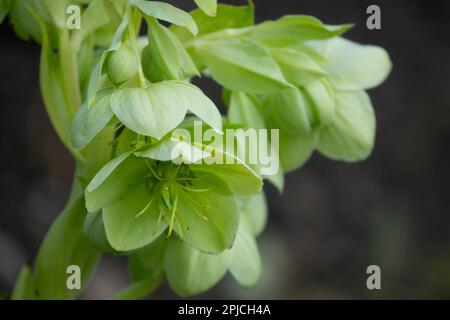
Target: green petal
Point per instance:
(244, 111)
(245, 264)
(115, 179)
(152, 112)
(94, 230)
(238, 177)
(351, 136)
(242, 65)
(131, 222)
(289, 111)
(146, 269)
(295, 150)
(209, 220)
(321, 100)
(200, 105)
(353, 66)
(148, 260)
(297, 67)
(89, 121)
(192, 272)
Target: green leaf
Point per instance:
(24, 288)
(227, 17)
(298, 68)
(192, 272)
(131, 222)
(22, 20)
(368, 67)
(237, 176)
(89, 121)
(4, 9)
(115, 179)
(92, 19)
(166, 12)
(207, 6)
(165, 58)
(95, 81)
(209, 220)
(290, 111)
(292, 29)
(160, 108)
(321, 101)
(94, 230)
(351, 136)
(245, 265)
(255, 209)
(242, 65)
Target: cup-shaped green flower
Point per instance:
(170, 186)
(327, 109)
(190, 271)
(122, 64)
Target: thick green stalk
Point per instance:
(65, 245)
(69, 70)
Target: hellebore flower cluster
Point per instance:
(294, 74)
(166, 191)
(307, 81)
(153, 195)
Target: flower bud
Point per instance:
(122, 64)
(165, 57)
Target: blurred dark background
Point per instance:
(333, 220)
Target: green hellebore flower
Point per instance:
(144, 193)
(122, 64)
(329, 110)
(153, 111)
(190, 271)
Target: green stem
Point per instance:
(69, 70)
(65, 245)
